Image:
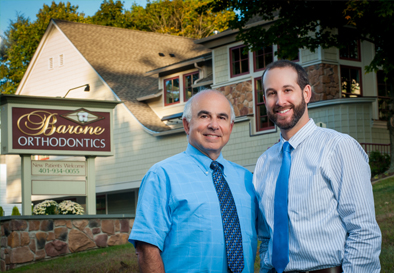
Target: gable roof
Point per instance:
(122, 56)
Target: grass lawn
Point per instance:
(123, 258)
(384, 207)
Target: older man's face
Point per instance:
(210, 127)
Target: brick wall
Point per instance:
(25, 241)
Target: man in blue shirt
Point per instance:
(329, 217)
(178, 225)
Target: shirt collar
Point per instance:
(204, 162)
(301, 135)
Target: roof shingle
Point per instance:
(122, 56)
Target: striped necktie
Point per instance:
(231, 226)
(280, 251)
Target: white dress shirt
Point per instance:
(330, 203)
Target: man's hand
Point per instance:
(149, 258)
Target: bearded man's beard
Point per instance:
(298, 111)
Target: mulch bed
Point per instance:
(381, 176)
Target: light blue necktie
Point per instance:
(231, 226)
(280, 252)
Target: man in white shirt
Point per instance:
(329, 215)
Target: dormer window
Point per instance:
(171, 91)
(188, 81)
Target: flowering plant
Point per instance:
(70, 207)
(47, 207)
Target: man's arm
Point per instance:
(149, 259)
(351, 182)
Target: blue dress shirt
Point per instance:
(178, 211)
(330, 203)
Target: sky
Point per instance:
(29, 8)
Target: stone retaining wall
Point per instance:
(26, 241)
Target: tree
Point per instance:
(111, 14)
(21, 40)
(310, 24)
(181, 18)
(11, 67)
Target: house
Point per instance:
(155, 74)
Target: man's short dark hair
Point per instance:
(302, 75)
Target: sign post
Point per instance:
(91, 185)
(26, 184)
(57, 126)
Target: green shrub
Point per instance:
(379, 163)
(1, 211)
(15, 211)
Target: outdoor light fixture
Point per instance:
(87, 89)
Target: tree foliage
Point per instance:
(111, 14)
(175, 17)
(309, 24)
(181, 18)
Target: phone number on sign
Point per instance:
(58, 171)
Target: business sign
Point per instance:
(52, 129)
(58, 168)
(75, 127)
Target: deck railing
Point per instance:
(370, 147)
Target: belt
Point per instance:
(337, 269)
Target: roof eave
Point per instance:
(229, 32)
(180, 64)
(152, 96)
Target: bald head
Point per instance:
(208, 120)
(187, 112)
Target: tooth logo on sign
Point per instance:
(82, 116)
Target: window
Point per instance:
(385, 88)
(351, 51)
(262, 120)
(188, 80)
(239, 61)
(50, 63)
(351, 82)
(121, 203)
(61, 59)
(171, 91)
(263, 57)
(101, 207)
